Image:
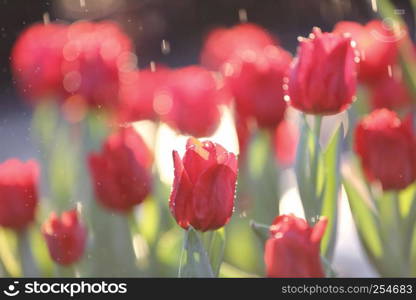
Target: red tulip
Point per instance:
(65, 237)
(36, 61)
(222, 44)
(377, 45)
(96, 56)
(256, 80)
(138, 93)
(286, 140)
(18, 193)
(204, 186)
(387, 149)
(293, 248)
(191, 101)
(323, 76)
(121, 171)
(392, 93)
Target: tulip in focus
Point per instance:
(293, 248)
(121, 171)
(65, 237)
(222, 44)
(190, 103)
(387, 149)
(377, 46)
(322, 80)
(256, 81)
(36, 61)
(204, 186)
(18, 193)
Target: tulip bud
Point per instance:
(138, 94)
(256, 80)
(377, 47)
(387, 149)
(190, 103)
(36, 61)
(391, 92)
(204, 186)
(18, 193)
(96, 56)
(65, 237)
(323, 77)
(222, 44)
(293, 248)
(121, 171)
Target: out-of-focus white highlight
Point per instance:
(168, 140)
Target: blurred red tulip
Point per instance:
(190, 103)
(293, 248)
(138, 93)
(256, 81)
(286, 140)
(121, 171)
(387, 149)
(377, 45)
(391, 92)
(18, 193)
(65, 237)
(204, 186)
(222, 44)
(96, 56)
(323, 76)
(36, 61)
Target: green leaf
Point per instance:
(331, 158)
(395, 258)
(262, 231)
(229, 271)
(8, 247)
(27, 262)
(301, 170)
(216, 248)
(149, 220)
(407, 203)
(111, 251)
(263, 178)
(365, 223)
(44, 122)
(412, 239)
(258, 153)
(194, 259)
(41, 253)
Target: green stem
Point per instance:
(183, 254)
(65, 271)
(397, 264)
(314, 167)
(29, 268)
(197, 260)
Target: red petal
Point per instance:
(181, 196)
(213, 198)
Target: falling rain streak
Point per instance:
(165, 46)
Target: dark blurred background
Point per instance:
(182, 24)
